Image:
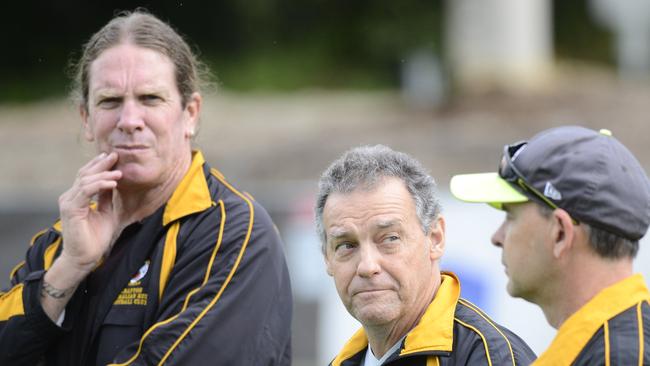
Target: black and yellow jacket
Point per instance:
(613, 328)
(452, 331)
(201, 281)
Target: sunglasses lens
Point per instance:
(506, 170)
(503, 168)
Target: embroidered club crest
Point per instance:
(141, 273)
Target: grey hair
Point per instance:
(364, 167)
(606, 244)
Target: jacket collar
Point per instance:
(578, 329)
(192, 193)
(433, 333)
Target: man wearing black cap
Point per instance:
(577, 202)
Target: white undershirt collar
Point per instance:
(371, 360)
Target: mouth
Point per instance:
(129, 148)
(368, 291)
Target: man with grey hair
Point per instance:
(382, 239)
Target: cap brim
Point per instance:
(485, 188)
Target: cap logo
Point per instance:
(551, 192)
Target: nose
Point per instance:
(369, 259)
(498, 236)
(131, 117)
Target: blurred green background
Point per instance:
(268, 45)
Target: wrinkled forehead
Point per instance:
(382, 206)
(342, 229)
(128, 63)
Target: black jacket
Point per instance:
(452, 331)
(202, 281)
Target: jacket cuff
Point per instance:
(34, 313)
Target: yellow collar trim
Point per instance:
(578, 329)
(434, 331)
(192, 194)
(354, 345)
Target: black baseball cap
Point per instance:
(589, 174)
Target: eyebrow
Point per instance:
(387, 224)
(152, 88)
(105, 92)
(337, 233)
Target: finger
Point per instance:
(82, 184)
(103, 175)
(85, 187)
(105, 200)
(77, 199)
(84, 194)
(94, 161)
(102, 162)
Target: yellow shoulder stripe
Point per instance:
(168, 257)
(50, 252)
(15, 269)
(11, 303)
(639, 317)
(31, 242)
(22, 263)
(250, 196)
(218, 245)
(214, 254)
(606, 330)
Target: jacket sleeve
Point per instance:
(228, 297)
(25, 330)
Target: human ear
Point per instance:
(436, 238)
(193, 109)
(328, 264)
(86, 125)
(563, 232)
